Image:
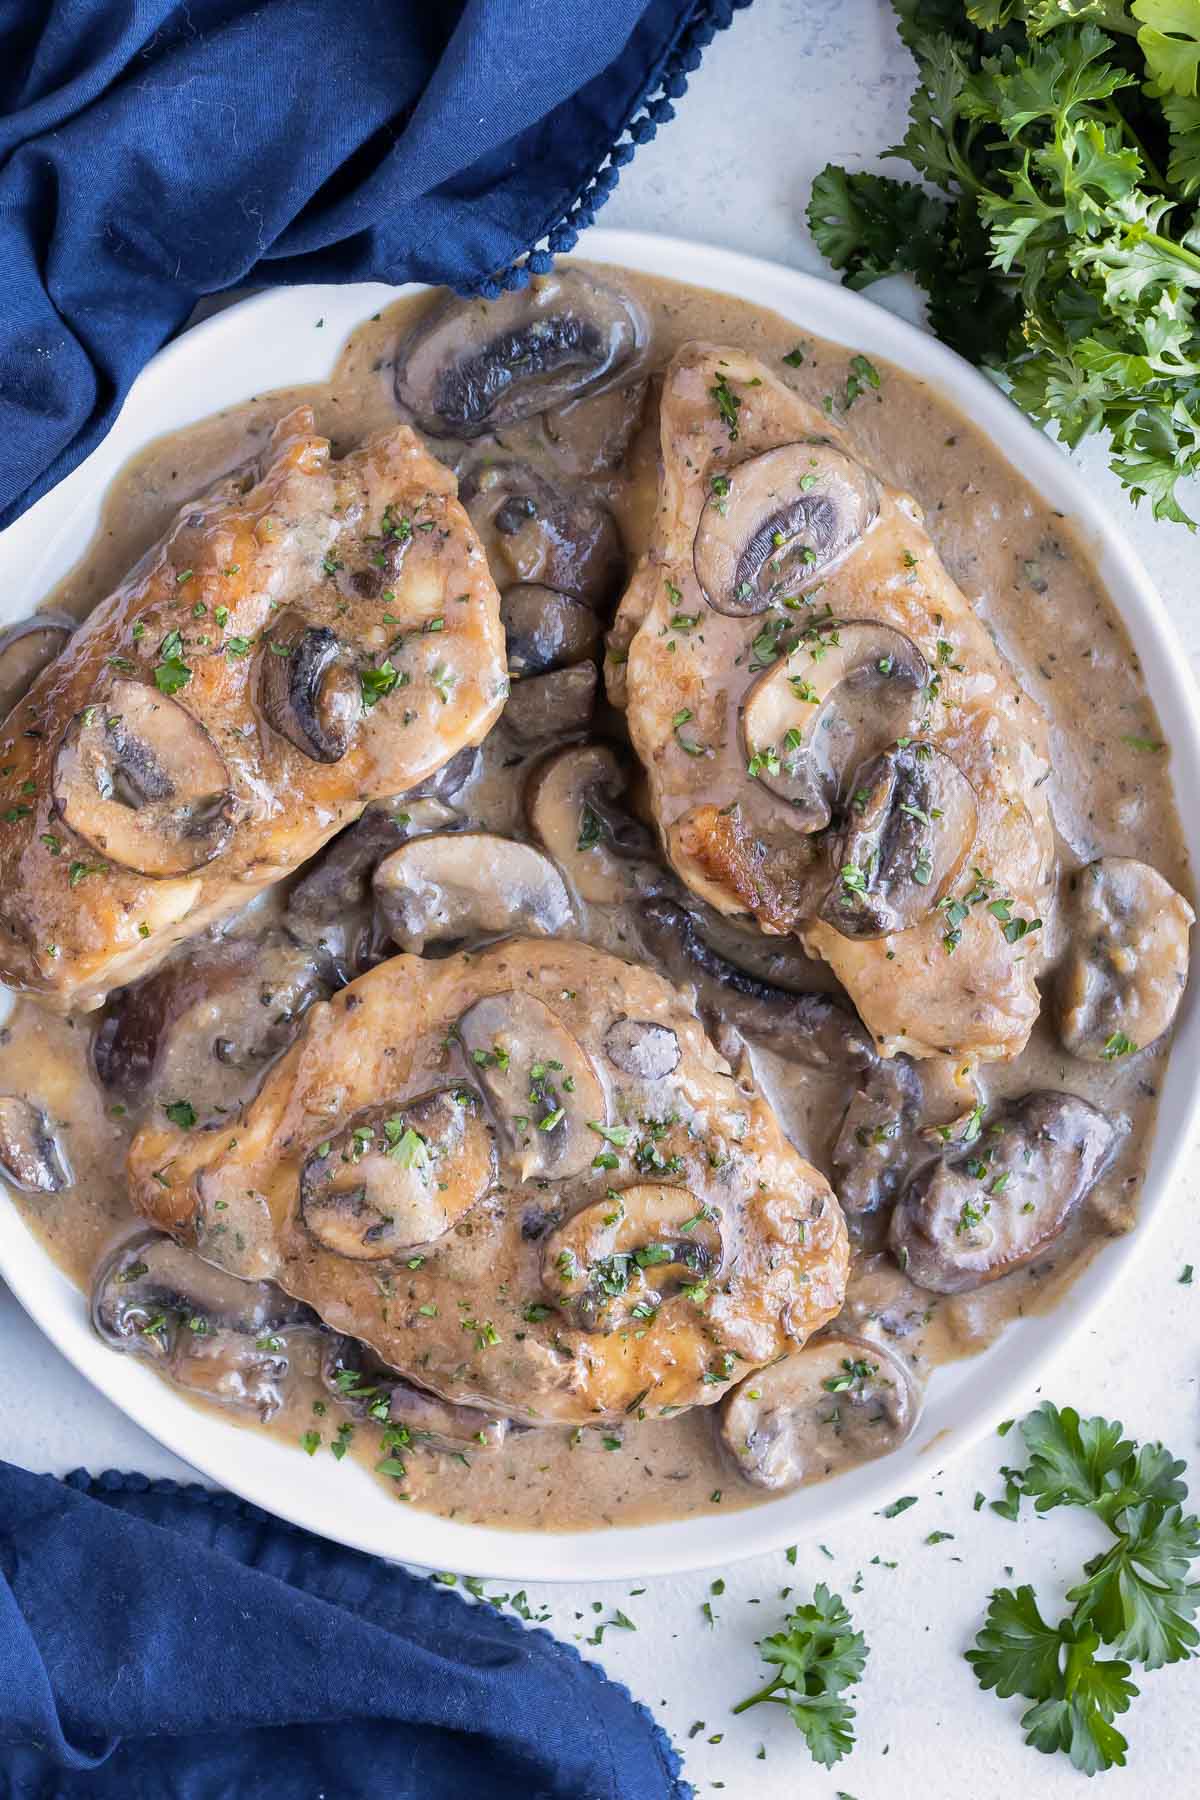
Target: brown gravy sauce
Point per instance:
(1031, 582)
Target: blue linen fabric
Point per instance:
(153, 152)
(160, 1642)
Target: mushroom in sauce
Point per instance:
(469, 368)
(546, 629)
(620, 1258)
(1127, 967)
(574, 805)
(470, 884)
(309, 687)
(224, 1339)
(367, 1387)
(840, 1400)
(968, 1218)
(778, 522)
(31, 1156)
(911, 826)
(544, 1088)
(842, 689)
(544, 707)
(25, 650)
(398, 1175)
(141, 781)
(535, 530)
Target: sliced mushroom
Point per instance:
(912, 819)
(815, 1030)
(371, 1390)
(621, 1257)
(969, 1218)
(469, 884)
(640, 1048)
(546, 707)
(25, 650)
(546, 629)
(872, 1156)
(547, 1093)
(242, 998)
(141, 781)
(782, 522)
(535, 531)
(30, 1154)
(834, 696)
(840, 1401)
(228, 1340)
(1128, 963)
(574, 806)
(398, 1175)
(309, 687)
(471, 366)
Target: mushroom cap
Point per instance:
(841, 1400)
(538, 530)
(539, 1028)
(31, 1157)
(1127, 966)
(710, 704)
(968, 1218)
(25, 650)
(574, 801)
(469, 884)
(546, 629)
(310, 688)
(471, 366)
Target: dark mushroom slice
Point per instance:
(969, 1218)
(545, 629)
(243, 998)
(546, 707)
(471, 366)
(369, 1389)
(141, 781)
(309, 687)
(813, 1029)
(784, 520)
(642, 1048)
(227, 1340)
(398, 1175)
(840, 1401)
(1127, 965)
(549, 1097)
(911, 824)
(31, 1157)
(620, 1258)
(469, 884)
(534, 530)
(833, 698)
(25, 650)
(575, 804)
(872, 1155)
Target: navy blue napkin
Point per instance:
(160, 1642)
(153, 152)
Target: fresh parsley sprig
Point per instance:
(818, 1655)
(1062, 246)
(1135, 1598)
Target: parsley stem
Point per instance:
(764, 1693)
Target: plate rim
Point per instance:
(278, 1477)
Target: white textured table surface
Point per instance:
(792, 85)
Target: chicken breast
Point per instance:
(312, 635)
(524, 1177)
(833, 743)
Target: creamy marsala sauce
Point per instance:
(1030, 582)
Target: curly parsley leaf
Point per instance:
(1062, 247)
(818, 1655)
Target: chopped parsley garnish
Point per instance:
(171, 672)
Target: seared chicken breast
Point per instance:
(312, 635)
(833, 742)
(524, 1177)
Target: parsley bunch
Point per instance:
(818, 1655)
(1135, 1598)
(1062, 246)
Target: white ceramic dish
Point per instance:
(270, 341)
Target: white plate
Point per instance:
(271, 341)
